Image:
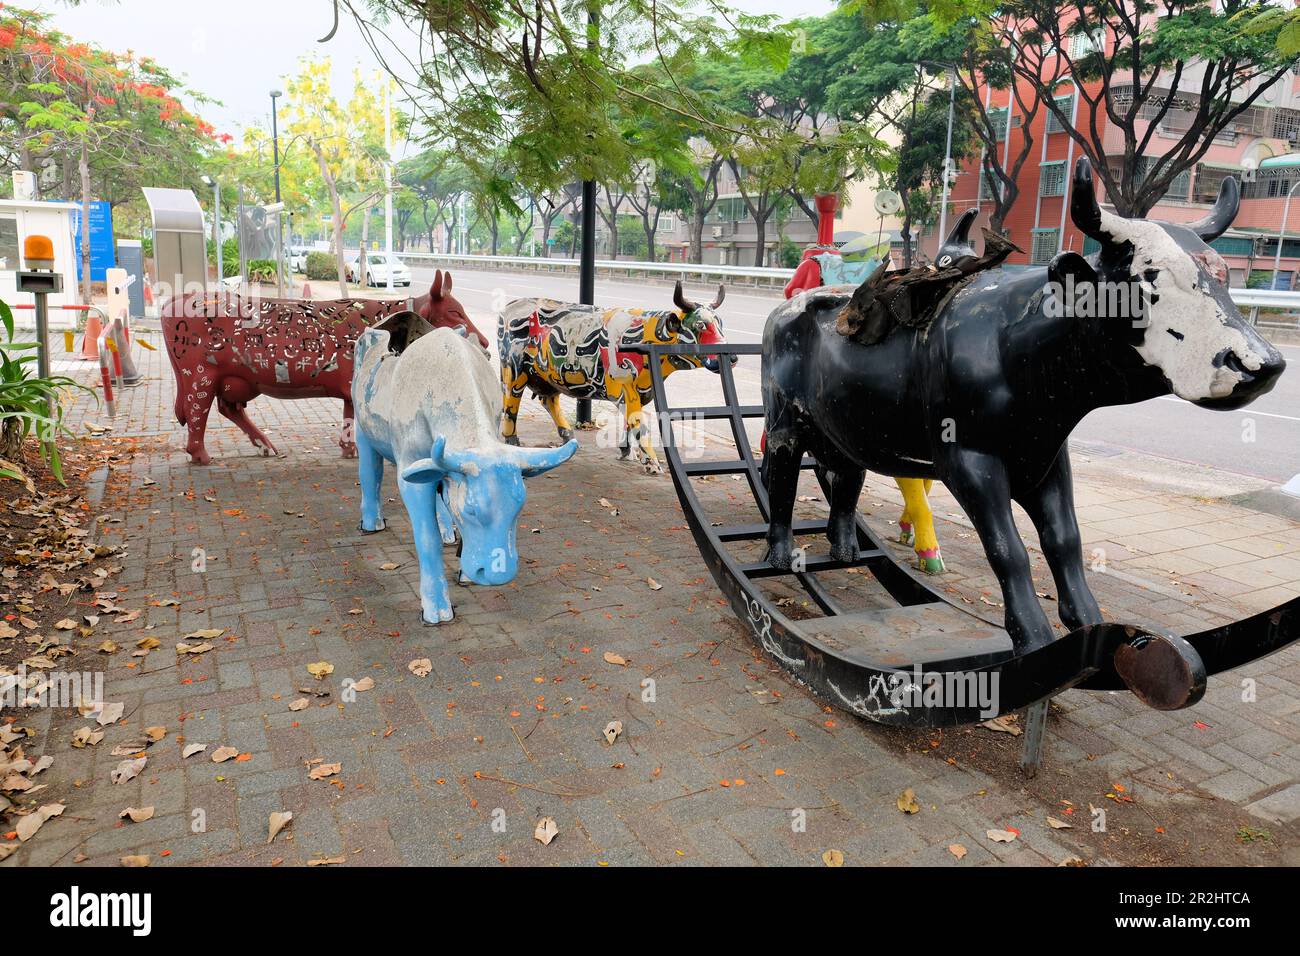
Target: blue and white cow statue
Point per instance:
(428, 400)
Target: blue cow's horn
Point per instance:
(534, 461)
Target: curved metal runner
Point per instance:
(928, 662)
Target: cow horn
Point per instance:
(534, 461)
(1216, 222)
(435, 291)
(1084, 210)
(722, 294)
(960, 235)
(680, 300)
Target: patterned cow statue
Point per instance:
(231, 349)
(428, 401)
(559, 348)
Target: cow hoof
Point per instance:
(565, 433)
(846, 553)
(780, 556)
(349, 451)
(931, 562)
(200, 458)
(906, 534)
(379, 526)
(444, 615)
(512, 440)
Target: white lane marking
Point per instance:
(1244, 411)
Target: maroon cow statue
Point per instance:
(232, 349)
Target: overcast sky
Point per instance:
(237, 51)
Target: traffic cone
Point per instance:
(90, 340)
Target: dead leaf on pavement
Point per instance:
(136, 814)
(193, 649)
(111, 714)
(833, 858)
(366, 683)
(192, 749)
(1000, 836)
(1005, 724)
(328, 861)
(155, 734)
(108, 647)
(957, 850)
(546, 831)
(320, 670)
(207, 633)
(612, 730)
(128, 770)
(907, 801)
(1059, 824)
(616, 659)
(325, 770)
(86, 736)
(420, 667)
(222, 754)
(302, 703)
(134, 861)
(278, 822)
(28, 825)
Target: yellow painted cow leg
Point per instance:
(510, 399)
(637, 426)
(918, 524)
(552, 404)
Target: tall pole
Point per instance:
(279, 216)
(947, 154)
(1281, 236)
(216, 216)
(587, 267)
(388, 187)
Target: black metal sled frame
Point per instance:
(966, 669)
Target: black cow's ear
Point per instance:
(1071, 264)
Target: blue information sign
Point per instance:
(102, 255)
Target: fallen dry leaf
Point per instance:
(134, 861)
(206, 634)
(1059, 824)
(325, 770)
(222, 754)
(327, 861)
(278, 822)
(320, 670)
(833, 858)
(907, 801)
(612, 730)
(616, 659)
(1000, 836)
(136, 814)
(192, 749)
(957, 850)
(366, 683)
(420, 667)
(545, 831)
(128, 770)
(111, 714)
(654, 585)
(302, 703)
(1005, 724)
(28, 825)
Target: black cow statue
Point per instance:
(984, 396)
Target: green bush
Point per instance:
(261, 270)
(322, 266)
(25, 402)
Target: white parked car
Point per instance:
(377, 268)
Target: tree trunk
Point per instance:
(760, 241)
(84, 168)
(337, 206)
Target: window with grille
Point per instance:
(1051, 179)
(1044, 247)
(1065, 104)
(1085, 44)
(990, 186)
(998, 119)
(1179, 186)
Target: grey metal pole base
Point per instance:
(1031, 754)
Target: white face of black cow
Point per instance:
(1193, 332)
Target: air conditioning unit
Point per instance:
(717, 232)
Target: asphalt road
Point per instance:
(1260, 441)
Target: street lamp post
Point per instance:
(279, 218)
(216, 221)
(947, 152)
(587, 265)
(1281, 236)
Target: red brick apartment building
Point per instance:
(1264, 139)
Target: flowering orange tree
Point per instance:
(94, 123)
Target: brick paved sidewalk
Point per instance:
(457, 766)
